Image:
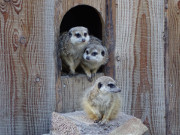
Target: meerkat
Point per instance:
(71, 46)
(95, 55)
(101, 102)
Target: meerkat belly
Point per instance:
(103, 102)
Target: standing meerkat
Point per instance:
(101, 102)
(71, 46)
(95, 55)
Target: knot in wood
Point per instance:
(37, 79)
(118, 58)
(22, 40)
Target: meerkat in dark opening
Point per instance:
(95, 55)
(71, 46)
(101, 102)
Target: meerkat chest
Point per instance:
(104, 100)
(78, 49)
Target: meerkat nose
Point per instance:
(87, 58)
(119, 90)
(83, 40)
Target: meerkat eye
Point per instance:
(102, 53)
(111, 85)
(99, 85)
(94, 53)
(70, 34)
(87, 52)
(78, 35)
(85, 34)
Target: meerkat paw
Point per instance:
(89, 79)
(103, 122)
(93, 75)
(98, 120)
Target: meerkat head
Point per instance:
(79, 35)
(106, 85)
(94, 53)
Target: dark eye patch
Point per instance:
(99, 85)
(85, 34)
(87, 52)
(78, 35)
(111, 85)
(94, 53)
(70, 34)
(102, 53)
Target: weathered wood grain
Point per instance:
(71, 92)
(26, 63)
(140, 60)
(173, 67)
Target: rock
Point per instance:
(77, 123)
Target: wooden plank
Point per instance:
(110, 36)
(173, 67)
(140, 60)
(27, 68)
(71, 92)
(166, 43)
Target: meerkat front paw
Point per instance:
(103, 122)
(93, 75)
(89, 79)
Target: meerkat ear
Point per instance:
(99, 85)
(102, 53)
(70, 34)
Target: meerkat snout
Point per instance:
(83, 40)
(87, 58)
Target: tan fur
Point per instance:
(102, 104)
(71, 47)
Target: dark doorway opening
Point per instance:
(83, 15)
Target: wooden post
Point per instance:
(110, 40)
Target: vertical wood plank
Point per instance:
(166, 58)
(27, 67)
(140, 60)
(173, 66)
(110, 36)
